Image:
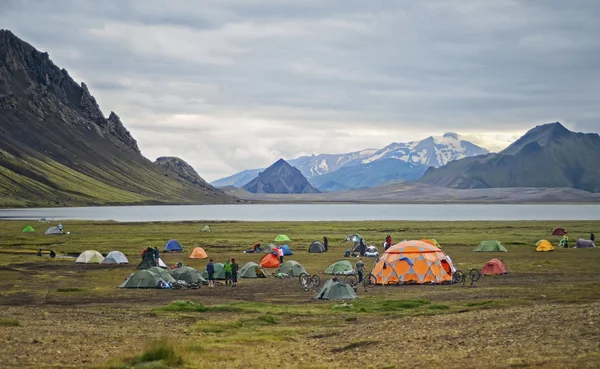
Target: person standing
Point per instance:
(592, 237)
(360, 269)
(388, 240)
(210, 270)
(326, 243)
(227, 270)
(363, 247)
(279, 253)
(60, 227)
(234, 272)
(156, 256)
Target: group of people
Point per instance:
(151, 252)
(52, 253)
(230, 267)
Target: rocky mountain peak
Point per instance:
(280, 177)
(179, 168)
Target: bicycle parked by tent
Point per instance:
(309, 282)
(473, 276)
(369, 281)
(180, 284)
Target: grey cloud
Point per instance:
(263, 79)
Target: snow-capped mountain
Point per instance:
(433, 151)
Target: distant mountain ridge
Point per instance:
(547, 156)
(431, 151)
(57, 148)
(280, 178)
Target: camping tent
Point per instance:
(282, 238)
(291, 268)
(286, 250)
(219, 271)
(149, 262)
(206, 228)
(413, 262)
(432, 241)
(543, 245)
(163, 273)
(336, 290)
(28, 229)
(90, 256)
(268, 249)
(44, 220)
(188, 274)
(582, 244)
(340, 267)
(490, 246)
(115, 257)
(317, 247)
(173, 245)
(252, 270)
(53, 231)
(352, 238)
(142, 279)
(198, 253)
(559, 232)
(494, 267)
(269, 261)
(371, 251)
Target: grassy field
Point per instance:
(58, 314)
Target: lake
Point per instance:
(314, 212)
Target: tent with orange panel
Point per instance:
(544, 245)
(432, 241)
(494, 267)
(269, 261)
(413, 262)
(198, 253)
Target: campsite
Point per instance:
(57, 312)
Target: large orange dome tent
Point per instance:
(269, 261)
(198, 253)
(413, 262)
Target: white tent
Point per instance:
(115, 257)
(90, 256)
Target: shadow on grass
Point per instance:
(354, 345)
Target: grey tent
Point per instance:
(53, 231)
(291, 268)
(143, 279)
(268, 249)
(317, 247)
(582, 244)
(115, 257)
(252, 270)
(335, 289)
(44, 220)
(163, 273)
(188, 274)
(206, 228)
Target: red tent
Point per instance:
(559, 232)
(494, 267)
(269, 261)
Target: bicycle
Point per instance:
(368, 282)
(460, 277)
(179, 284)
(309, 282)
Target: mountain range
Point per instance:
(57, 148)
(280, 178)
(547, 156)
(396, 162)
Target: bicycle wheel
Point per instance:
(351, 280)
(474, 275)
(304, 279)
(371, 281)
(458, 277)
(315, 280)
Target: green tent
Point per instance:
(142, 279)
(206, 228)
(163, 273)
(28, 229)
(282, 238)
(335, 289)
(490, 246)
(252, 270)
(188, 274)
(340, 267)
(219, 272)
(291, 268)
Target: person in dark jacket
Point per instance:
(52, 254)
(363, 247)
(39, 253)
(592, 237)
(210, 270)
(234, 272)
(326, 243)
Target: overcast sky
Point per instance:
(233, 85)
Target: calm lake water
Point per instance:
(313, 212)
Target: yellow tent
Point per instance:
(544, 245)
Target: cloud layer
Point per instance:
(235, 84)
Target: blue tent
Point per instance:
(173, 245)
(286, 250)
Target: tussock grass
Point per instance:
(7, 322)
(190, 306)
(70, 289)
